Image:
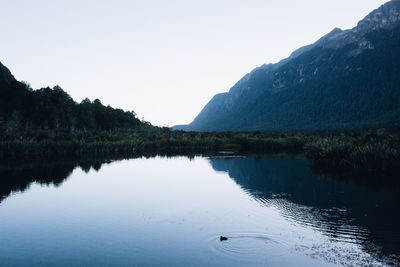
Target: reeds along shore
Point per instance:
(367, 152)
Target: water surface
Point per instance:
(172, 211)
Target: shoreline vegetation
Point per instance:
(48, 123)
(367, 153)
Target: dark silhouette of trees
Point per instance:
(23, 110)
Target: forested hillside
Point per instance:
(347, 80)
(24, 111)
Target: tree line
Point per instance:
(23, 110)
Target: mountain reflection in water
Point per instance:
(342, 211)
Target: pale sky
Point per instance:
(163, 59)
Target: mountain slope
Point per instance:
(346, 80)
(5, 74)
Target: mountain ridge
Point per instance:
(5, 74)
(256, 101)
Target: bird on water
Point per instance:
(222, 238)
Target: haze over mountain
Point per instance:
(349, 79)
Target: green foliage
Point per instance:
(24, 110)
(367, 152)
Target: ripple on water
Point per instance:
(249, 247)
(331, 222)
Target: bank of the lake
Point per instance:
(373, 152)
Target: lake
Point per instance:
(172, 211)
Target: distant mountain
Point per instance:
(346, 80)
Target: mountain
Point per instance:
(348, 79)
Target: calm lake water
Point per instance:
(172, 211)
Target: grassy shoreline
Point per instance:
(368, 152)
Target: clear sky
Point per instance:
(162, 59)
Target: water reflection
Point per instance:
(17, 176)
(161, 206)
(343, 211)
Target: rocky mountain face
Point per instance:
(346, 80)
